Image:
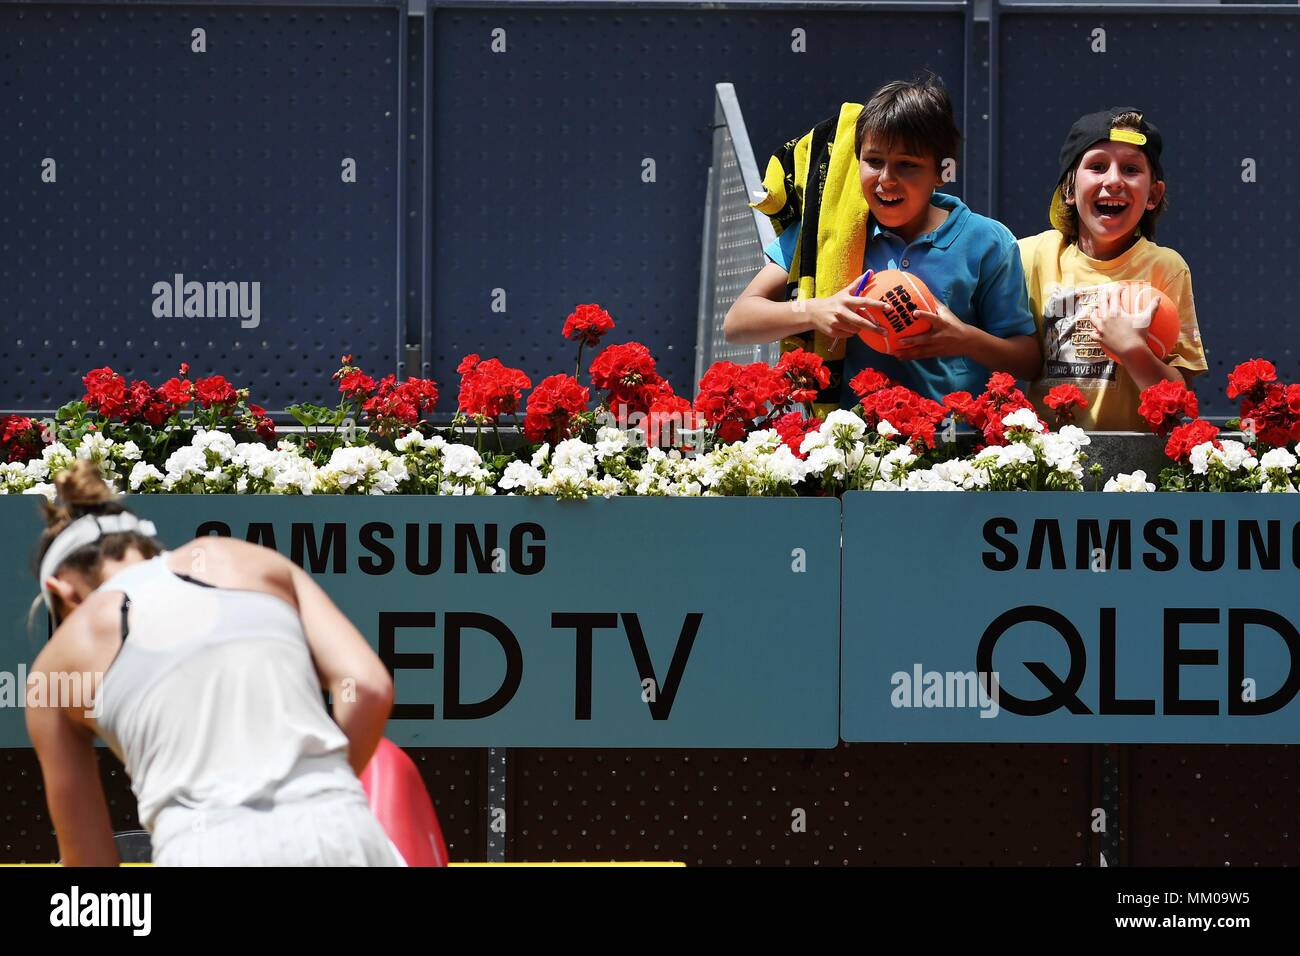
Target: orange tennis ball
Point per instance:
(902, 294)
(1162, 335)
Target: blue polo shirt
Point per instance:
(971, 263)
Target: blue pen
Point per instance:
(863, 284)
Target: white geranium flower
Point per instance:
(520, 476)
(575, 454)
(461, 461)
(1277, 458)
(1137, 481)
(886, 430)
(142, 474)
(1023, 418)
(216, 441)
(610, 442)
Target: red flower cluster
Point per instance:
(21, 438)
(627, 374)
(1165, 404)
(1250, 380)
(668, 415)
(914, 416)
(1269, 409)
(259, 422)
(552, 408)
(1186, 437)
(215, 392)
(793, 427)
(1063, 400)
(399, 403)
(587, 323)
(807, 373)
(731, 396)
(108, 394)
(490, 389)
(999, 399)
(868, 381)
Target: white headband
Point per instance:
(82, 532)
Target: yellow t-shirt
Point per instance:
(1065, 283)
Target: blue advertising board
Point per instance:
(517, 622)
(1058, 617)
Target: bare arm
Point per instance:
(762, 314)
(353, 673)
(66, 751)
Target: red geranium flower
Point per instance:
(215, 392)
(667, 417)
(356, 384)
(913, 415)
(627, 374)
(105, 391)
(868, 381)
(490, 389)
(807, 373)
(793, 427)
(1251, 379)
(176, 392)
(553, 407)
(1165, 404)
(1064, 399)
(1186, 437)
(1273, 419)
(732, 396)
(400, 403)
(262, 424)
(21, 438)
(587, 323)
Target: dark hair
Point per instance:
(1147, 226)
(82, 491)
(916, 114)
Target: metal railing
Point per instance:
(734, 236)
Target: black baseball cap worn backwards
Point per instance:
(1087, 132)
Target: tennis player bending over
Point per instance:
(213, 657)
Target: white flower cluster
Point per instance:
(1033, 459)
(1277, 468)
(36, 477)
(1137, 481)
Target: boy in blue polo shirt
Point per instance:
(970, 262)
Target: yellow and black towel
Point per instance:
(815, 185)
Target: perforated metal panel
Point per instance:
(1214, 806)
(864, 804)
(1222, 86)
(538, 157)
(223, 166)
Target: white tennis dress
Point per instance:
(214, 706)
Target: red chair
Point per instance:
(402, 805)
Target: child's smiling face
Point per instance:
(1113, 189)
(897, 184)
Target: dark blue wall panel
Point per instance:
(1222, 86)
(222, 166)
(537, 157)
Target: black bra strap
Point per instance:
(186, 577)
(126, 604)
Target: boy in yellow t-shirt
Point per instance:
(1110, 192)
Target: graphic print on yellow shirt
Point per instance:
(1064, 287)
